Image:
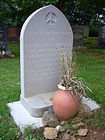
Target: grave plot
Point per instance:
(43, 35)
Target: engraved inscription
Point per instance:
(51, 18)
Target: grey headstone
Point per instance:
(101, 37)
(78, 34)
(43, 35)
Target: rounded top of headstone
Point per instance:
(48, 16)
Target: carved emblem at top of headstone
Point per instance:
(51, 18)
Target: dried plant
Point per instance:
(68, 73)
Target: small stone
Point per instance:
(58, 128)
(63, 123)
(50, 133)
(75, 126)
(83, 108)
(49, 119)
(12, 56)
(73, 137)
(68, 131)
(103, 134)
(82, 132)
(62, 129)
(95, 133)
(78, 139)
(77, 120)
(90, 130)
(66, 136)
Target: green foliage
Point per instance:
(47, 2)
(94, 26)
(15, 49)
(90, 42)
(28, 130)
(8, 129)
(68, 126)
(4, 9)
(20, 10)
(97, 120)
(91, 69)
(32, 134)
(82, 12)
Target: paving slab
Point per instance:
(22, 117)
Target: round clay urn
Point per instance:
(65, 104)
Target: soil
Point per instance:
(94, 135)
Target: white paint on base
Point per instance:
(91, 103)
(22, 117)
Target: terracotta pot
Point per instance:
(65, 104)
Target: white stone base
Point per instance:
(22, 117)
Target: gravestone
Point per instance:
(78, 33)
(85, 31)
(101, 37)
(12, 34)
(3, 39)
(43, 35)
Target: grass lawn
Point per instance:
(91, 67)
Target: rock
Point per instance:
(83, 108)
(58, 128)
(78, 139)
(95, 133)
(75, 126)
(73, 137)
(77, 119)
(66, 136)
(50, 133)
(63, 123)
(11, 56)
(49, 119)
(62, 129)
(68, 131)
(90, 130)
(82, 132)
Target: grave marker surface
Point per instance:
(43, 35)
(101, 37)
(78, 35)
